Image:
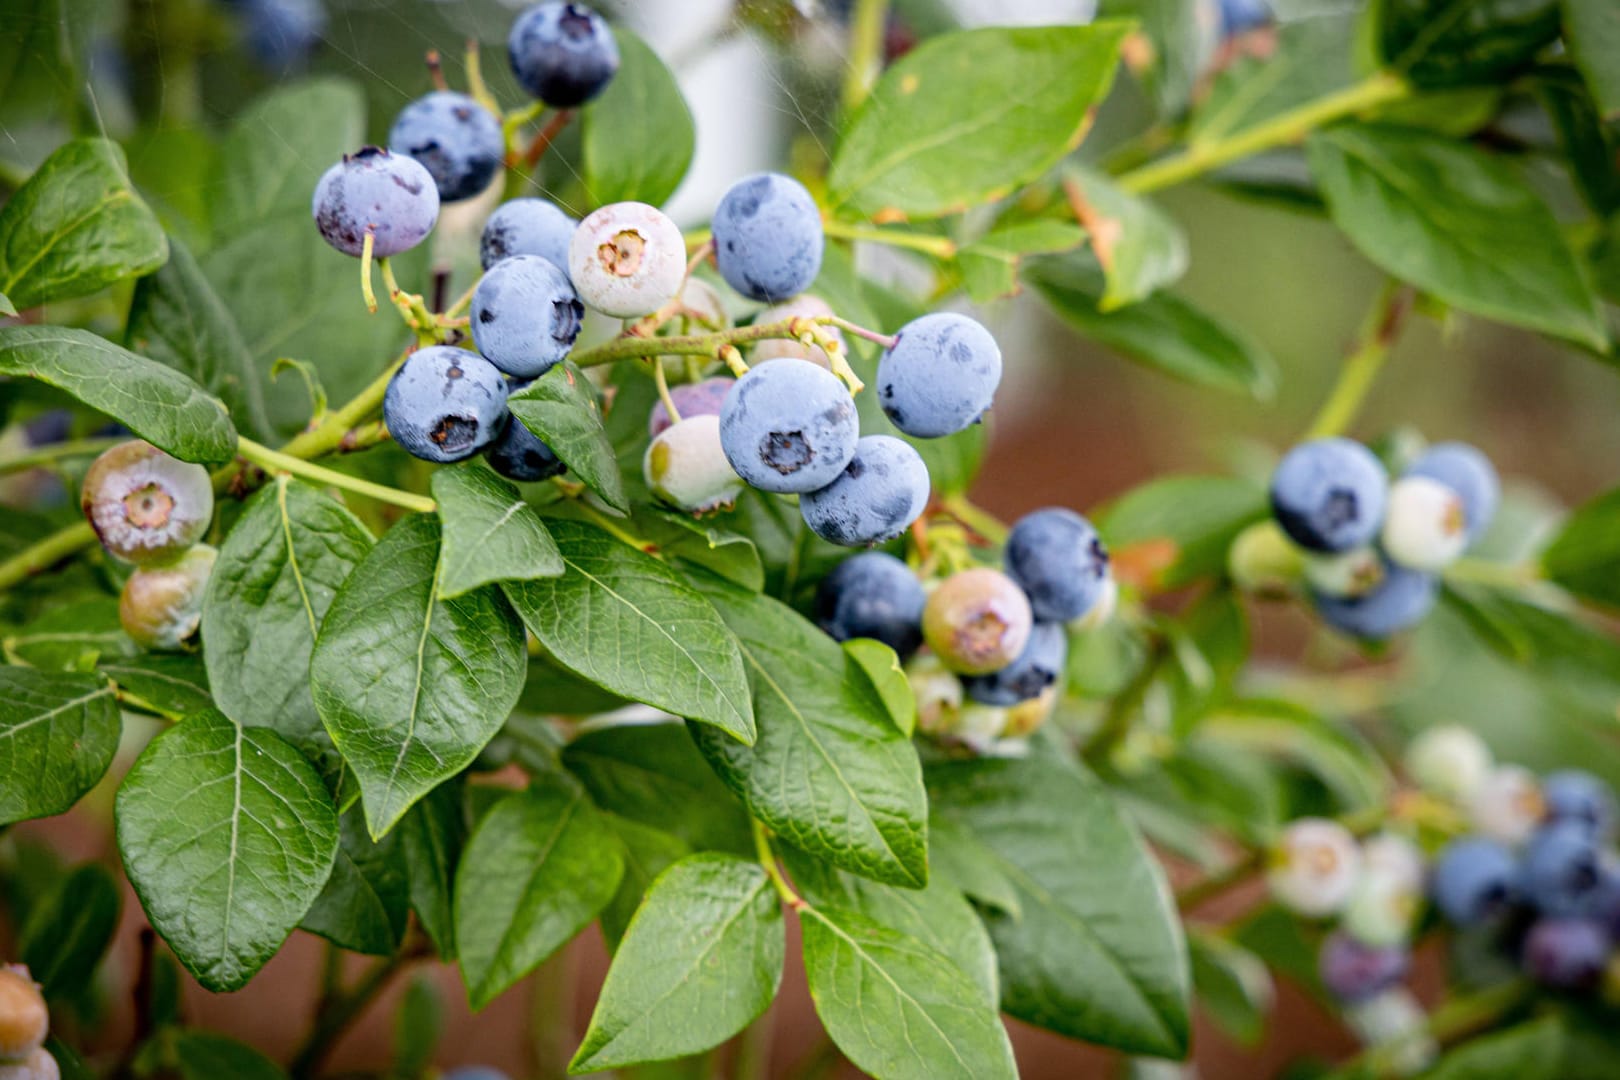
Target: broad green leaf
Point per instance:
(539, 866)
(202, 1055)
(647, 853)
(1571, 660)
(6, 306)
(1139, 247)
(74, 636)
(1461, 42)
(69, 930)
(887, 678)
(490, 533)
(652, 774)
(159, 404)
(409, 685)
(1457, 223)
(174, 169)
(1284, 731)
(1183, 525)
(431, 837)
(177, 319)
(1233, 986)
(700, 961)
(990, 264)
(177, 682)
(1528, 1051)
(1590, 150)
(959, 857)
(829, 772)
(58, 734)
(899, 1008)
(940, 132)
(228, 836)
(1592, 33)
(560, 407)
(637, 138)
(702, 542)
(76, 227)
(1179, 34)
(366, 902)
(1098, 952)
(1163, 331)
(277, 572)
(624, 620)
(1585, 556)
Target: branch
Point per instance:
(1361, 368)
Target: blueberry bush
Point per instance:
(465, 554)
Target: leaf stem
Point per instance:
(339, 1012)
(1361, 368)
(866, 26)
(979, 520)
(661, 381)
(941, 247)
(767, 862)
(548, 134)
(276, 461)
(48, 455)
(1282, 130)
(46, 553)
(630, 347)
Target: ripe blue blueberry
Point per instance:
(882, 490)
(1352, 971)
(445, 404)
(1469, 473)
(767, 237)
(456, 139)
(1058, 558)
(525, 315)
(1238, 16)
(873, 595)
(1474, 881)
(527, 227)
(1566, 954)
(789, 428)
(1038, 667)
(691, 399)
(282, 33)
(1573, 795)
(1397, 603)
(563, 54)
(520, 454)
(1562, 870)
(391, 196)
(939, 376)
(475, 1072)
(1329, 494)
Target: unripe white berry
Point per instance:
(686, 466)
(161, 606)
(1393, 856)
(1449, 761)
(1507, 805)
(1381, 910)
(1351, 573)
(1425, 526)
(1262, 560)
(978, 725)
(938, 692)
(800, 307)
(704, 304)
(1314, 867)
(1394, 1018)
(627, 260)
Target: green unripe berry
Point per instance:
(1263, 560)
(977, 621)
(161, 606)
(686, 467)
(146, 506)
(24, 1019)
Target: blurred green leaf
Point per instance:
(1287, 732)
(202, 1055)
(1585, 555)
(1529, 1051)
(68, 932)
(431, 836)
(1181, 525)
(1232, 984)
(638, 135)
(1139, 247)
(58, 734)
(647, 853)
(418, 1026)
(1183, 39)
(1592, 33)
(1312, 58)
(1461, 42)
(1591, 151)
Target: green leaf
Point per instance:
(431, 837)
(1529, 1051)
(1163, 331)
(366, 902)
(940, 132)
(74, 636)
(701, 960)
(897, 1007)
(1347, 766)
(277, 572)
(1098, 953)
(69, 930)
(701, 542)
(1178, 32)
(829, 772)
(228, 836)
(58, 734)
(41, 57)
(1590, 150)
(637, 138)
(956, 855)
(1312, 58)
(176, 318)
(156, 402)
(177, 682)
(418, 1027)
(76, 227)
(560, 407)
(887, 678)
(410, 685)
(202, 1055)
(1140, 248)
(668, 647)
(490, 533)
(1592, 33)
(1461, 42)
(1232, 984)
(990, 263)
(1457, 223)
(6, 306)
(1572, 660)
(1194, 519)
(539, 866)
(1585, 556)
(647, 853)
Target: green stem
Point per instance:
(334, 1020)
(866, 27)
(1361, 368)
(48, 455)
(1454, 1019)
(942, 247)
(767, 862)
(134, 701)
(276, 461)
(1281, 130)
(980, 521)
(709, 345)
(46, 553)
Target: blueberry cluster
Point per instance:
(996, 640)
(151, 509)
(1370, 551)
(24, 1023)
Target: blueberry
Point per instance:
(146, 506)
(1566, 954)
(1562, 870)
(563, 54)
(1238, 16)
(161, 606)
(1475, 880)
(1449, 760)
(691, 399)
(939, 376)
(627, 260)
(1393, 857)
(527, 227)
(1469, 473)
(1397, 603)
(1313, 867)
(800, 307)
(391, 196)
(1038, 667)
(1356, 572)
(882, 490)
(1329, 494)
(1060, 561)
(475, 1072)
(1508, 805)
(1353, 971)
(282, 33)
(686, 466)
(1263, 560)
(1024, 718)
(456, 139)
(767, 237)
(873, 595)
(24, 1019)
(1425, 527)
(445, 404)
(789, 428)
(977, 621)
(1573, 795)
(525, 315)
(520, 454)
